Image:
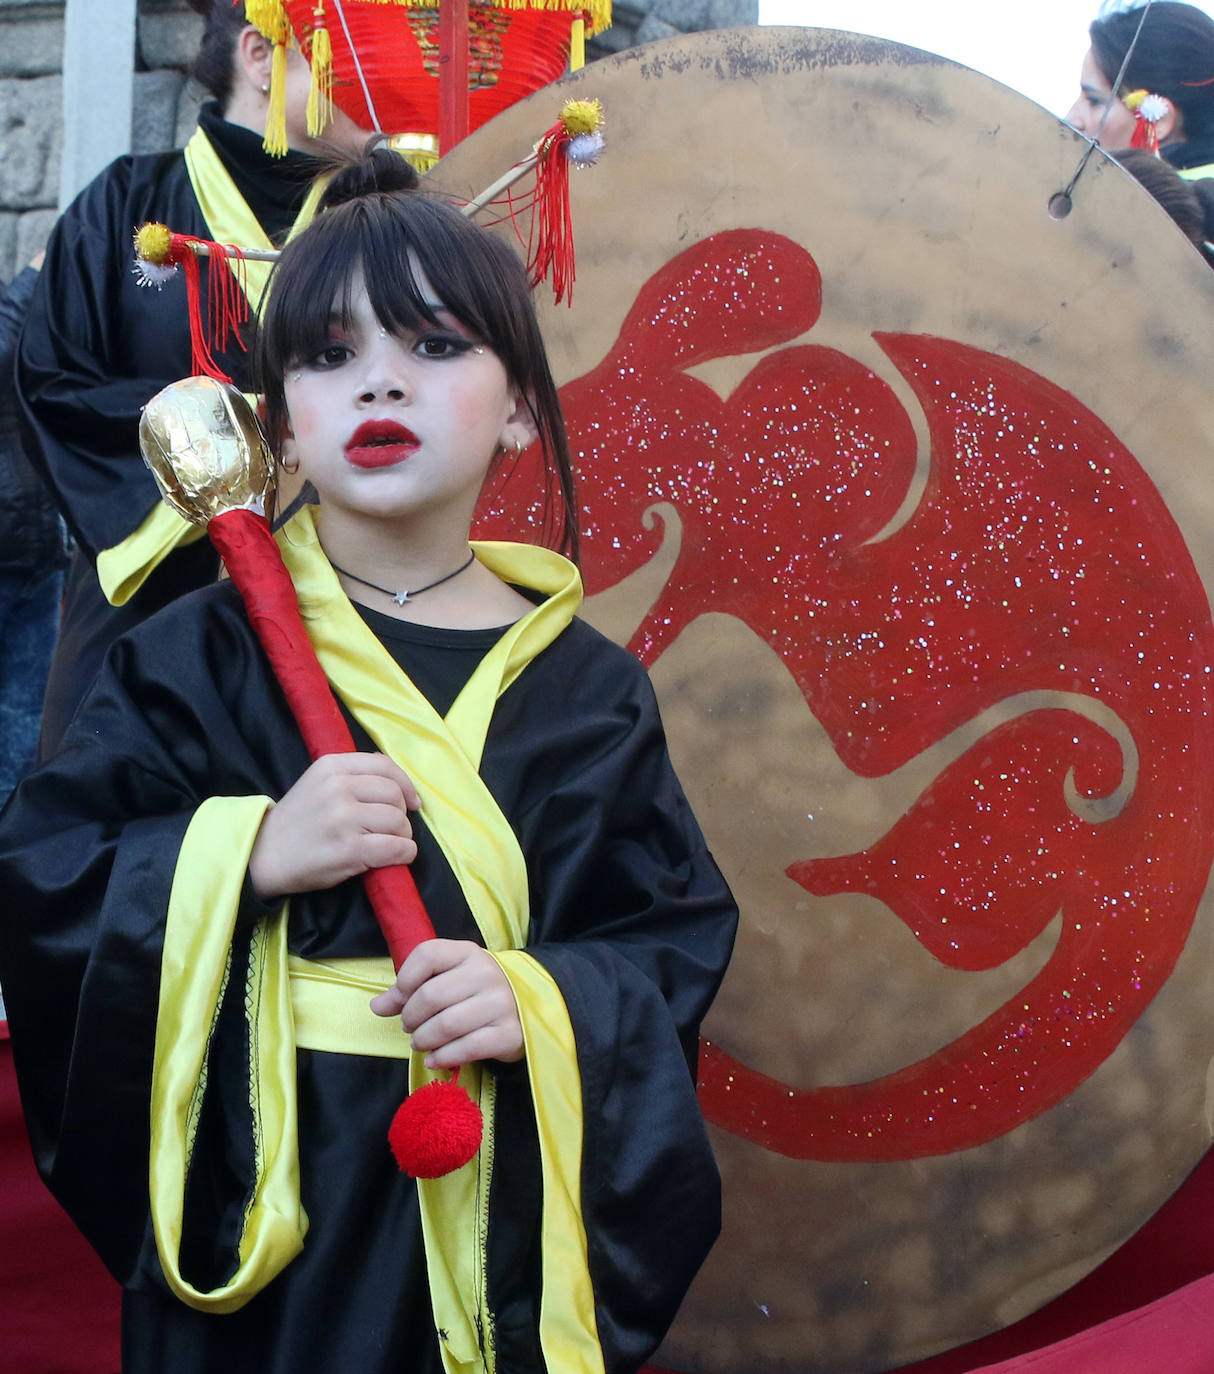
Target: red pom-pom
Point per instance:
(436, 1130)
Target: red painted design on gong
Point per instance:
(1040, 557)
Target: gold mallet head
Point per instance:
(206, 449)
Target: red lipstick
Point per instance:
(380, 444)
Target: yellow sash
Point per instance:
(125, 567)
(195, 968)
(442, 756)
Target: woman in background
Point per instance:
(1173, 58)
(97, 345)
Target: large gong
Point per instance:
(903, 490)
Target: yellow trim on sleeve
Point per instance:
(123, 569)
(195, 968)
(568, 1326)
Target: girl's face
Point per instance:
(1095, 97)
(392, 427)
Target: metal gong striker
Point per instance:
(900, 487)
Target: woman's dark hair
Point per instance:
(1190, 203)
(214, 67)
(371, 221)
(1173, 57)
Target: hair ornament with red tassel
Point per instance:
(158, 254)
(1148, 109)
(575, 138)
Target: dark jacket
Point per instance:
(31, 536)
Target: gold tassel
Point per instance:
(577, 45)
(267, 16)
(275, 142)
(598, 12)
(420, 150)
(320, 88)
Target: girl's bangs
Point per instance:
(376, 248)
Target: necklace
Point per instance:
(401, 596)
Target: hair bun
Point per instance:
(380, 170)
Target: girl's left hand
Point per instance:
(456, 1003)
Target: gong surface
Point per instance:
(901, 488)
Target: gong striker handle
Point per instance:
(254, 563)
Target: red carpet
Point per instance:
(58, 1306)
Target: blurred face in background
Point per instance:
(1095, 99)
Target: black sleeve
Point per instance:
(88, 849)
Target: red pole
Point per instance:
(452, 73)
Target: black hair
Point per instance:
(370, 221)
(1173, 57)
(1203, 189)
(1190, 203)
(215, 65)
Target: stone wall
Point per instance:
(166, 103)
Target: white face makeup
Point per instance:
(391, 428)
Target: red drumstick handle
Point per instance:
(255, 565)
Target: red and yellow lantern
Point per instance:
(383, 62)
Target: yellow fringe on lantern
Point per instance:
(320, 88)
(597, 11)
(270, 20)
(275, 142)
(268, 17)
(577, 45)
(420, 150)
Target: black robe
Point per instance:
(96, 347)
(629, 916)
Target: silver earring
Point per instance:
(265, 88)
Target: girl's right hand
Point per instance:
(346, 814)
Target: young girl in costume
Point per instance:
(186, 925)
